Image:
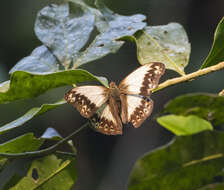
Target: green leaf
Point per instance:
(48, 173)
(34, 112)
(215, 186)
(216, 54)
(187, 163)
(184, 125)
(4, 86)
(207, 106)
(27, 85)
(25, 143)
(64, 29)
(41, 60)
(166, 43)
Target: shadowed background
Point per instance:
(104, 162)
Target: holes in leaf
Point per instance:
(100, 45)
(35, 174)
(218, 179)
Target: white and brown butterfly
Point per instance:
(108, 108)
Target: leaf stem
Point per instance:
(45, 151)
(190, 76)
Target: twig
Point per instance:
(65, 153)
(45, 151)
(189, 76)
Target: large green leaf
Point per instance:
(215, 186)
(184, 125)
(64, 29)
(34, 112)
(26, 85)
(216, 53)
(48, 173)
(207, 106)
(25, 143)
(187, 163)
(167, 44)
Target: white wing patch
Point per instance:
(108, 123)
(138, 109)
(143, 79)
(87, 99)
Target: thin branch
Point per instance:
(65, 153)
(45, 151)
(190, 76)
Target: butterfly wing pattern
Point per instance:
(109, 121)
(134, 104)
(87, 99)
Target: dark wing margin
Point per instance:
(143, 80)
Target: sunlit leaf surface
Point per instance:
(167, 44)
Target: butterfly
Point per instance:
(129, 102)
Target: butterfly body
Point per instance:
(128, 102)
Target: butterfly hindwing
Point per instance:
(87, 99)
(143, 79)
(138, 109)
(108, 122)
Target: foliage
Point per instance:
(65, 29)
(186, 163)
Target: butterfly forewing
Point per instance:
(87, 99)
(143, 80)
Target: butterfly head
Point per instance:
(113, 85)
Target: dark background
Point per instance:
(105, 162)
